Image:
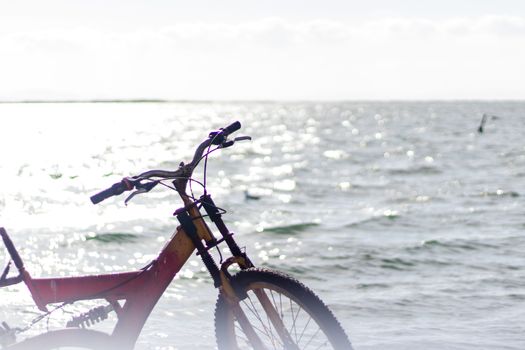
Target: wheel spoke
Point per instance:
(323, 344)
(294, 321)
(275, 304)
(267, 331)
(280, 312)
(270, 326)
(312, 337)
(291, 308)
(245, 338)
(304, 329)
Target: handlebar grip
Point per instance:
(232, 128)
(11, 249)
(114, 190)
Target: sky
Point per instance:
(262, 50)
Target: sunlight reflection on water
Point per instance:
(341, 195)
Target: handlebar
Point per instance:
(116, 189)
(230, 129)
(215, 138)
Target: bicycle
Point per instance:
(256, 308)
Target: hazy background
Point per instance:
(400, 215)
(238, 50)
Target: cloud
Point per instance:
(266, 33)
(272, 58)
(502, 26)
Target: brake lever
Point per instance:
(141, 188)
(133, 194)
(230, 143)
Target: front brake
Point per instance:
(141, 188)
(229, 143)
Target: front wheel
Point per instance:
(275, 312)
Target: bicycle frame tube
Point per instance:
(139, 290)
(133, 294)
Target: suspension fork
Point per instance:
(190, 220)
(216, 217)
(234, 296)
(195, 227)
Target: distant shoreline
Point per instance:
(92, 101)
(261, 101)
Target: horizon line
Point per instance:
(158, 100)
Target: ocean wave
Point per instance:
(396, 263)
(291, 229)
(451, 246)
(421, 170)
(382, 220)
(497, 193)
(373, 286)
(114, 237)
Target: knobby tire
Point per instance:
(308, 321)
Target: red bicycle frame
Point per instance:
(133, 294)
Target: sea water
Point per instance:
(401, 216)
